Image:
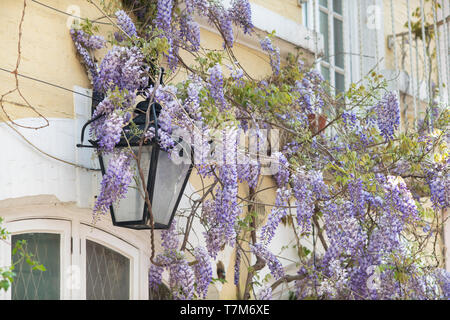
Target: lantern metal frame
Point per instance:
(134, 141)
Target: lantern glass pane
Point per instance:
(131, 208)
(169, 182)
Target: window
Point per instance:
(34, 284)
(331, 25)
(109, 266)
(81, 261)
(108, 273)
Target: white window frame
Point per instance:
(311, 19)
(55, 226)
(73, 253)
(112, 242)
(331, 63)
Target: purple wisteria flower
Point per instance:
(181, 280)
(216, 86)
(116, 180)
(155, 276)
(189, 33)
(122, 68)
(202, 270)
(169, 238)
(388, 115)
(282, 175)
(274, 54)
(108, 131)
(308, 187)
(85, 42)
(126, 24)
(279, 211)
(275, 266)
(439, 182)
(226, 204)
(214, 236)
(164, 15)
(241, 14)
(265, 293)
(221, 17)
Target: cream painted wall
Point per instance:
(287, 8)
(48, 54)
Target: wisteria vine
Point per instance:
(343, 182)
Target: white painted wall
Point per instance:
(25, 171)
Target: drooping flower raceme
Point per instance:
(122, 68)
(241, 14)
(308, 187)
(116, 180)
(214, 236)
(126, 24)
(86, 40)
(274, 54)
(189, 34)
(83, 43)
(169, 238)
(439, 182)
(181, 280)
(279, 211)
(275, 266)
(164, 15)
(217, 14)
(282, 175)
(109, 131)
(216, 86)
(226, 198)
(388, 115)
(202, 271)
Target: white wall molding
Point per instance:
(289, 33)
(286, 29)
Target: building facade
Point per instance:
(48, 185)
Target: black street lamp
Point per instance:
(166, 179)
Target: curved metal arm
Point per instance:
(84, 128)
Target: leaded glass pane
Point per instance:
(107, 273)
(35, 284)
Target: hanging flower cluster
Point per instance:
(84, 43)
(274, 54)
(182, 276)
(115, 182)
(354, 189)
(388, 115)
(126, 24)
